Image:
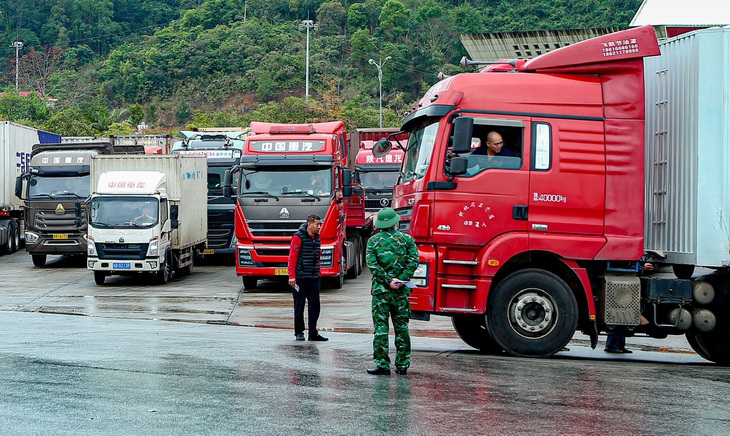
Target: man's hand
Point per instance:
(293, 283)
(396, 284)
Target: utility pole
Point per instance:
(309, 24)
(379, 65)
(17, 45)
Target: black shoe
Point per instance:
(379, 371)
(612, 350)
(318, 337)
(299, 336)
(625, 350)
(401, 371)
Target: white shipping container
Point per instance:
(187, 186)
(688, 149)
(16, 143)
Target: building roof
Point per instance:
(680, 13)
(524, 45)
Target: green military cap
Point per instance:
(386, 218)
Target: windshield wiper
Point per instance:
(264, 193)
(302, 192)
(57, 193)
(101, 224)
(41, 194)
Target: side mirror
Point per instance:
(382, 147)
(174, 210)
(19, 187)
(463, 128)
(347, 182)
(78, 222)
(227, 182)
(458, 166)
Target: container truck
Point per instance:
(16, 145)
(377, 174)
(55, 189)
(145, 215)
(287, 172)
(222, 146)
(524, 247)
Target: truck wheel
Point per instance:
(249, 283)
(6, 248)
(711, 345)
(163, 275)
(188, 270)
(472, 329)
(683, 271)
(532, 313)
(39, 259)
(99, 277)
(337, 282)
(14, 236)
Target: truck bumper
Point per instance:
(55, 244)
(249, 263)
(122, 265)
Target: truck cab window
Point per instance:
(494, 147)
(418, 152)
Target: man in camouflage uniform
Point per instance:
(392, 258)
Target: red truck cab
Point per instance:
(287, 172)
(518, 246)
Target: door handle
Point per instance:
(519, 212)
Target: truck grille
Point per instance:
(121, 251)
(220, 229)
(278, 228)
(47, 220)
(377, 204)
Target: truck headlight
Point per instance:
(420, 276)
(31, 238)
(91, 246)
(154, 248)
(325, 257)
(244, 257)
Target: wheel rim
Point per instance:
(532, 313)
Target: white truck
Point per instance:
(147, 215)
(16, 144)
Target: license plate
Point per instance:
(209, 251)
(281, 272)
(61, 236)
(121, 265)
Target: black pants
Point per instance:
(308, 292)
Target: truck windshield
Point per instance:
(44, 187)
(378, 179)
(419, 151)
(215, 179)
(124, 212)
(305, 183)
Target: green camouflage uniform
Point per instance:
(391, 254)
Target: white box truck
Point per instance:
(16, 144)
(147, 215)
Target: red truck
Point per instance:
(377, 174)
(544, 236)
(288, 171)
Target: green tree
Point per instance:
(332, 18)
(69, 122)
(136, 114)
(31, 109)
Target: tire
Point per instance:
(472, 329)
(5, 249)
(188, 270)
(683, 271)
(712, 346)
(39, 259)
(163, 275)
(249, 283)
(14, 236)
(532, 313)
(99, 277)
(337, 282)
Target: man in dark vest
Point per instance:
(304, 276)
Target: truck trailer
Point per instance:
(16, 145)
(287, 172)
(145, 215)
(525, 246)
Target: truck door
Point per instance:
(487, 207)
(567, 181)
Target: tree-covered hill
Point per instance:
(110, 64)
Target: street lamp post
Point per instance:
(17, 45)
(379, 65)
(309, 24)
